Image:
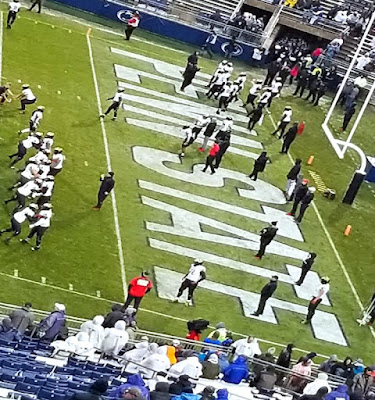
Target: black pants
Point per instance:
(208, 47)
(223, 148)
(346, 122)
(18, 197)
(285, 146)
(15, 227)
(186, 82)
(304, 272)
(114, 106)
(43, 199)
(250, 99)
(313, 95)
(21, 152)
(300, 89)
(254, 174)
(39, 232)
(252, 123)
(54, 171)
(262, 304)
(223, 102)
(11, 18)
(318, 97)
(311, 309)
(213, 89)
(269, 79)
(129, 299)
(101, 198)
(38, 3)
(271, 98)
(302, 211)
(187, 284)
(262, 248)
(295, 206)
(24, 102)
(281, 127)
(129, 31)
(209, 163)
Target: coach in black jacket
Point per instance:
(266, 292)
(106, 186)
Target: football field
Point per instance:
(166, 211)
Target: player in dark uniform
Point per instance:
(266, 236)
(107, 184)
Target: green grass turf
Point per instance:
(81, 246)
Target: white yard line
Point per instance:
(342, 265)
(143, 309)
(108, 157)
(1, 44)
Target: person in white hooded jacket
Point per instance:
(136, 355)
(247, 347)
(95, 331)
(157, 360)
(319, 382)
(115, 338)
(191, 366)
(78, 344)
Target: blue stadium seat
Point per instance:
(34, 381)
(46, 394)
(78, 386)
(26, 388)
(12, 364)
(11, 378)
(9, 371)
(95, 367)
(83, 372)
(116, 382)
(7, 385)
(65, 370)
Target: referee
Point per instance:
(107, 184)
(116, 103)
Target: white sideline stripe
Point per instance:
(1, 44)
(108, 157)
(342, 265)
(143, 309)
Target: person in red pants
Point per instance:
(138, 287)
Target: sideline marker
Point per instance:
(15, 273)
(98, 294)
(310, 160)
(44, 280)
(70, 286)
(348, 230)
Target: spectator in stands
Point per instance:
(208, 393)
(115, 315)
(82, 346)
(247, 347)
(285, 356)
(172, 350)
(333, 11)
(115, 339)
(216, 16)
(341, 16)
(222, 394)
(136, 355)
(156, 360)
(132, 382)
(161, 391)
(236, 371)
(190, 367)
(341, 393)
(138, 287)
(296, 382)
(8, 332)
(95, 391)
(23, 318)
(265, 380)
(210, 367)
(358, 367)
(214, 339)
(220, 327)
(320, 395)
(223, 361)
(362, 382)
(182, 385)
(130, 316)
(343, 368)
(95, 331)
(49, 328)
(327, 365)
(319, 382)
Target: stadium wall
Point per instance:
(159, 25)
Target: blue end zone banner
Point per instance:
(159, 25)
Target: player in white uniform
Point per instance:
(220, 67)
(47, 142)
(23, 146)
(240, 81)
(18, 219)
(189, 139)
(320, 291)
(57, 161)
(286, 117)
(30, 172)
(26, 97)
(14, 7)
(40, 157)
(36, 117)
(196, 274)
(276, 86)
(43, 222)
(224, 97)
(228, 70)
(47, 190)
(253, 92)
(264, 98)
(217, 84)
(25, 191)
(117, 100)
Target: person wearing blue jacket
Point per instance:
(8, 332)
(222, 394)
(236, 371)
(132, 381)
(341, 393)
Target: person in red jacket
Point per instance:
(132, 24)
(138, 287)
(211, 157)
